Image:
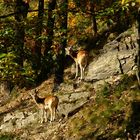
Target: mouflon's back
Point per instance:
(51, 101)
(82, 57)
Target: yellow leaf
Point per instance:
(123, 1)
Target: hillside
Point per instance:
(111, 113)
(103, 106)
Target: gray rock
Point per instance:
(19, 115)
(7, 127)
(105, 66)
(8, 117)
(116, 59)
(71, 102)
(27, 121)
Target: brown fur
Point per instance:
(80, 58)
(51, 103)
(48, 103)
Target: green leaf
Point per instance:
(2, 55)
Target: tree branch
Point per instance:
(12, 14)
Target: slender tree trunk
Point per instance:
(38, 43)
(19, 42)
(138, 58)
(60, 61)
(93, 16)
(46, 68)
(50, 26)
(21, 10)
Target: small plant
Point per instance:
(106, 90)
(6, 136)
(11, 71)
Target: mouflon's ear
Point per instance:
(68, 49)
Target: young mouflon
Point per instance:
(47, 103)
(81, 59)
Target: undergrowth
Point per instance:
(111, 114)
(7, 136)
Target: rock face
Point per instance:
(118, 57)
(4, 92)
(68, 102)
(72, 101)
(17, 120)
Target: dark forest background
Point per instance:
(34, 34)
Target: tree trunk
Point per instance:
(138, 58)
(60, 60)
(46, 68)
(21, 10)
(93, 16)
(19, 43)
(50, 26)
(38, 43)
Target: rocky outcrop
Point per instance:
(69, 103)
(118, 57)
(14, 103)
(17, 120)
